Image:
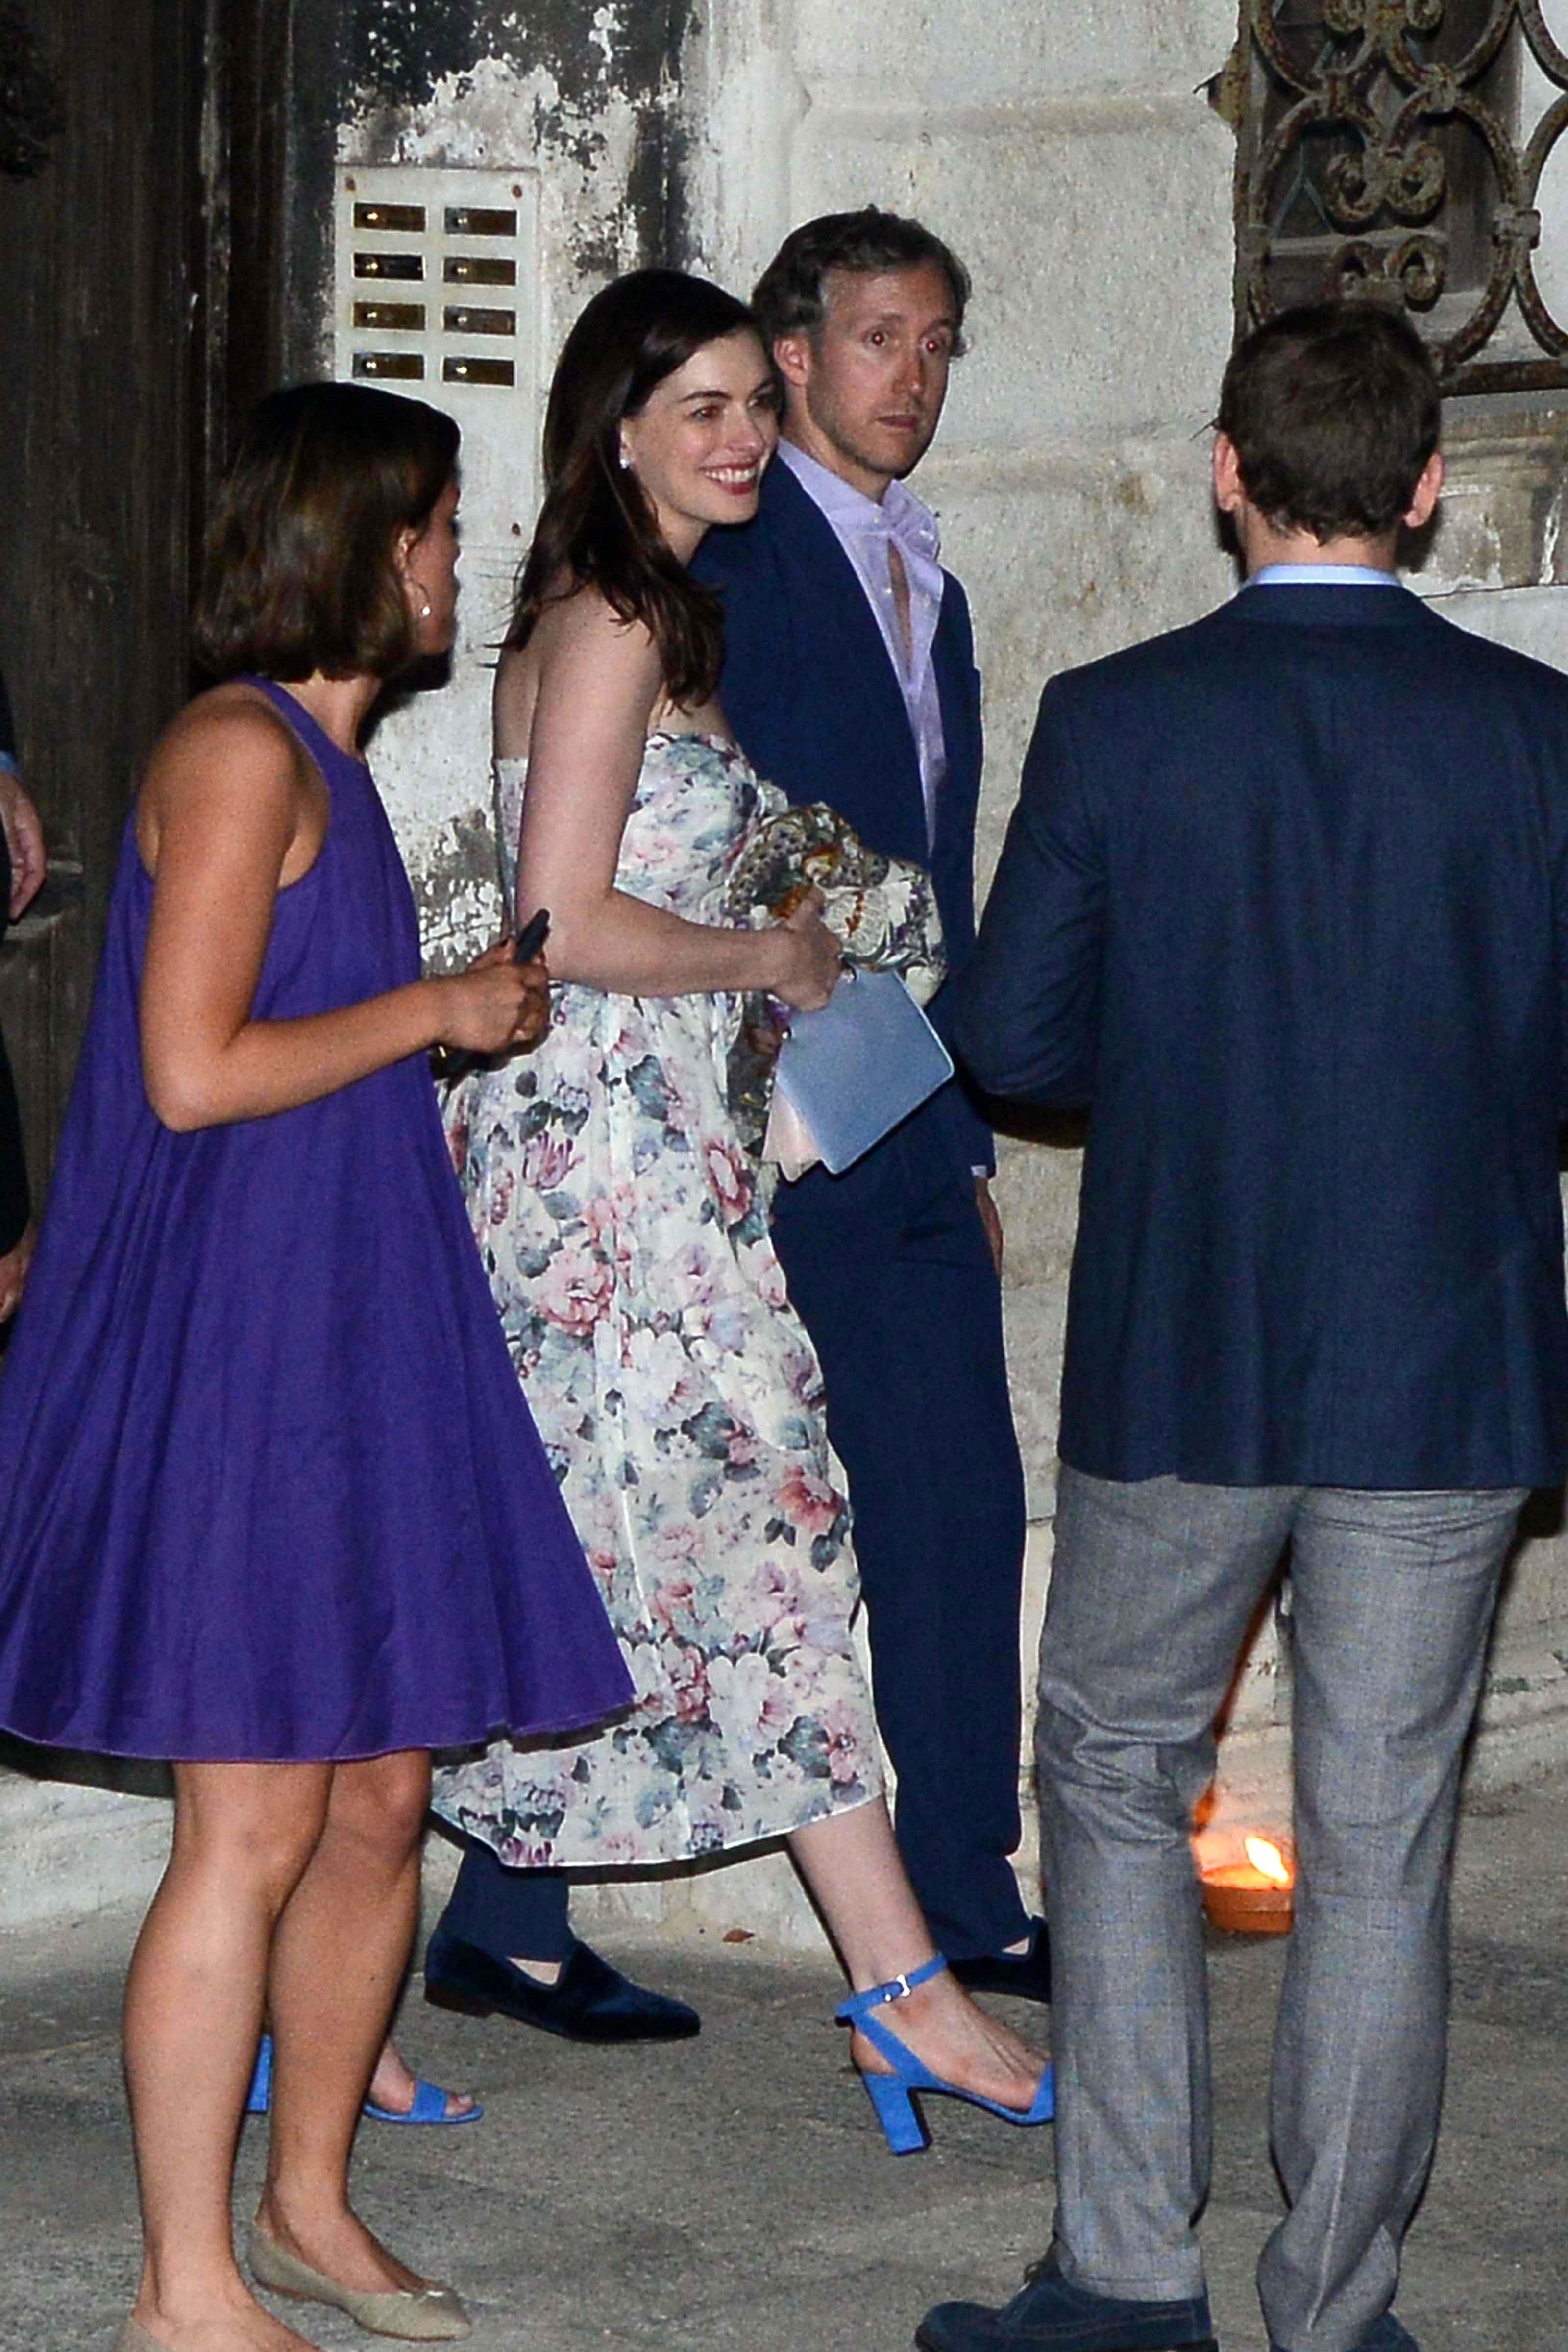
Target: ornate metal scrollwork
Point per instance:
(31, 113)
(1383, 149)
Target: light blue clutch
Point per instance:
(865, 1061)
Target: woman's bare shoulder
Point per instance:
(229, 746)
(581, 649)
(584, 670)
(584, 624)
(235, 719)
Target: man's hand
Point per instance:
(24, 841)
(989, 1217)
(14, 1272)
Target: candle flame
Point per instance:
(1264, 1855)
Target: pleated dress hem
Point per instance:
(77, 1743)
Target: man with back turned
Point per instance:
(1282, 902)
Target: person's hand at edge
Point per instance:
(14, 1272)
(990, 1218)
(23, 840)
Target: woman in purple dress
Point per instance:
(271, 1504)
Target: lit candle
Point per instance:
(1254, 1897)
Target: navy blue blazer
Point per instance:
(816, 708)
(1285, 900)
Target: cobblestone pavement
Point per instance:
(732, 2192)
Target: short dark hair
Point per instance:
(597, 526)
(1333, 409)
(791, 295)
(300, 571)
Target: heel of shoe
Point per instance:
(259, 2098)
(889, 2093)
(897, 2113)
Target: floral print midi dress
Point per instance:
(678, 1395)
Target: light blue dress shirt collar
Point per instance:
(1323, 575)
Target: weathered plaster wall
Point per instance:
(583, 99)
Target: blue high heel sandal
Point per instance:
(891, 2094)
(429, 2099)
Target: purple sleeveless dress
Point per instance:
(269, 1487)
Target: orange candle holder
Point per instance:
(1254, 1898)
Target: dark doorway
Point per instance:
(139, 298)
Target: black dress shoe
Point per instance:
(589, 2001)
(1027, 1975)
(1047, 2315)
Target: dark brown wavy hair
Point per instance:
(597, 526)
(1333, 410)
(790, 297)
(302, 572)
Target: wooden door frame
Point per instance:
(141, 303)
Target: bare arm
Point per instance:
(227, 817)
(598, 681)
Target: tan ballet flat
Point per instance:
(426, 2315)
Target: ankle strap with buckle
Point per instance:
(896, 1989)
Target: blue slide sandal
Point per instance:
(429, 2099)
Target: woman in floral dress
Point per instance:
(618, 1214)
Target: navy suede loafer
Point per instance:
(1027, 1975)
(1385, 2334)
(589, 2001)
(1047, 2315)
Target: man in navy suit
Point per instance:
(849, 678)
(1283, 902)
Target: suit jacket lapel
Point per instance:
(833, 586)
(957, 686)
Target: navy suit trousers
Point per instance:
(889, 1269)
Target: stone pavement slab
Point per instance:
(733, 2192)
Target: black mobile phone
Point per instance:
(531, 936)
(449, 1065)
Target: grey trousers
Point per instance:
(1151, 1590)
